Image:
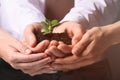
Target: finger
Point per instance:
(41, 46)
(49, 53)
(92, 51)
(64, 48)
(72, 66)
(41, 71)
(21, 47)
(62, 67)
(59, 29)
(33, 70)
(35, 64)
(53, 43)
(24, 41)
(31, 39)
(77, 35)
(30, 71)
(22, 58)
(29, 36)
(71, 59)
(67, 60)
(81, 45)
(89, 49)
(56, 52)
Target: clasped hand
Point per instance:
(82, 52)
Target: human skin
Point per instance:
(91, 47)
(21, 57)
(75, 34)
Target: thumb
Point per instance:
(77, 35)
(31, 40)
(76, 39)
(40, 47)
(59, 29)
(21, 47)
(29, 36)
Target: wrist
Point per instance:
(112, 31)
(116, 32)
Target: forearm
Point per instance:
(4, 35)
(113, 31)
(93, 13)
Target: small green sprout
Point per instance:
(48, 26)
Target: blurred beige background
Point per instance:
(113, 54)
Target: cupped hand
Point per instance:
(29, 38)
(90, 49)
(30, 63)
(74, 30)
(19, 56)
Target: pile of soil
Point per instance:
(54, 36)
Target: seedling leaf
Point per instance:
(48, 26)
(54, 23)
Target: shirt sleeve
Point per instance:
(16, 14)
(93, 12)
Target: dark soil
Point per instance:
(54, 36)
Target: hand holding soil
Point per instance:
(57, 40)
(53, 47)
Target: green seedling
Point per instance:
(48, 26)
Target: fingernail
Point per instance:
(74, 52)
(49, 59)
(51, 68)
(45, 42)
(85, 54)
(28, 51)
